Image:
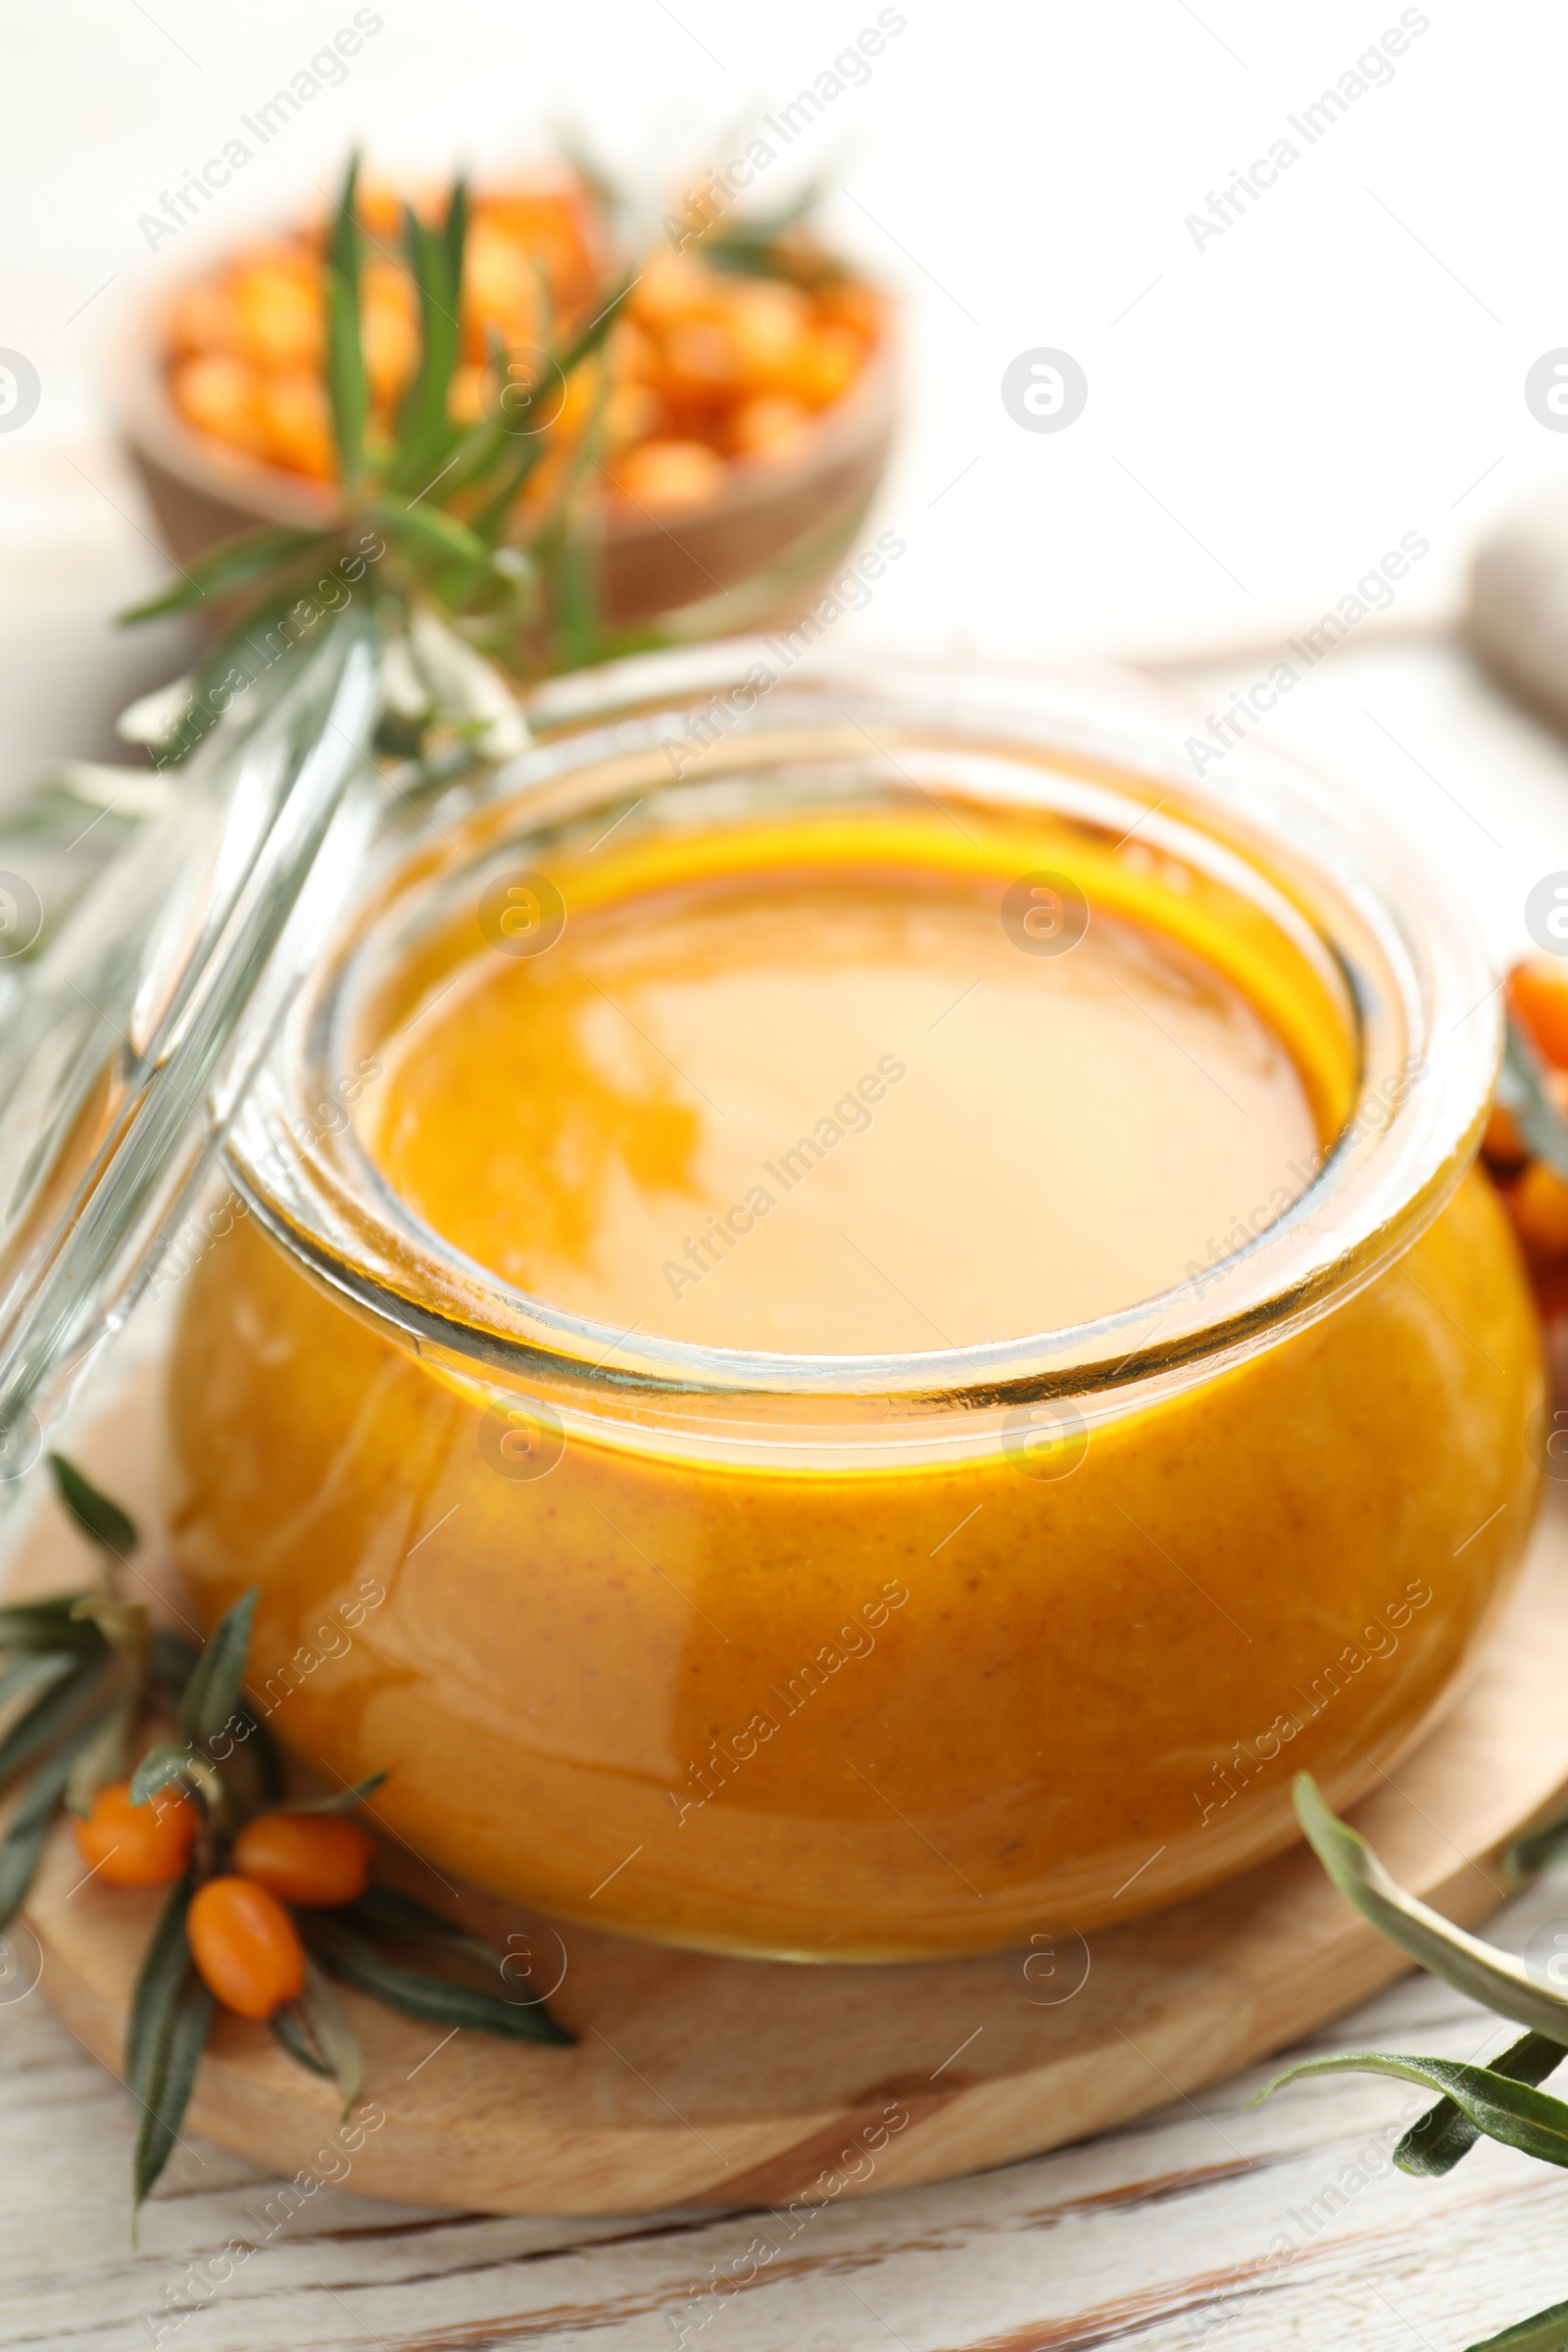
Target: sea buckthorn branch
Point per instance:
(1498, 2101)
(499, 436)
(267, 1900)
(78, 1669)
(438, 500)
(434, 454)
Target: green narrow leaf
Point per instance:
(254, 1742)
(489, 522)
(234, 563)
(430, 534)
(760, 247)
(347, 385)
(341, 1800)
(1514, 2113)
(242, 650)
(423, 433)
(55, 1609)
(434, 1998)
(36, 1670)
(29, 1825)
(1547, 2331)
(162, 1964)
(177, 2053)
(43, 1628)
(1486, 1975)
(747, 258)
(213, 1691)
(345, 248)
(474, 452)
(334, 2036)
(103, 1522)
(103, 1757)
(122, 1623)
(388, 1911)
(288, 2028)
(577, 602)
(161, 1768)
(764, 228)
(492, 517)
(171, 1660)
(21, 1849)
(454, 236)
(51, 1715)
(1435, 2145)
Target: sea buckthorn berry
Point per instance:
(767, 323)
(246, 1947)
(633, 411)
(205, 318)
(217, 394)
(279, 303)
(769, 427)
(501, 286)
(1538, 999)
(703, 363)
(673, 286)
(664, 475)
(633, 356)
(700, 366)
(298, 417)
(822, 365)
(315, 1859)
(851, 304)
(137, 1845)
(1539, 1203)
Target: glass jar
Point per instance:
(673, 1638)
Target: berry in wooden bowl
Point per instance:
(721, 444)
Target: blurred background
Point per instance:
(1284, 379)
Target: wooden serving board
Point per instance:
(703, 2081)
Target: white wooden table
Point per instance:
(1153, 2236)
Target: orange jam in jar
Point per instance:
(886, 1327)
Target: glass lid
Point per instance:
(127, 1044)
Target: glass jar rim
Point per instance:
(1098, 743)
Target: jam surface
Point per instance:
(828, 1113)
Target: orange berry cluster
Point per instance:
(706, 369)
(1534, 1194)
(246, 1947)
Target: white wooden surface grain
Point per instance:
(1154, 2237)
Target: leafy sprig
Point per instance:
(434, 505)
(79, 1670)
(1500, 2101)
(777, 245)
(83, 1676)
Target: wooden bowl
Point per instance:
(744, 561)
